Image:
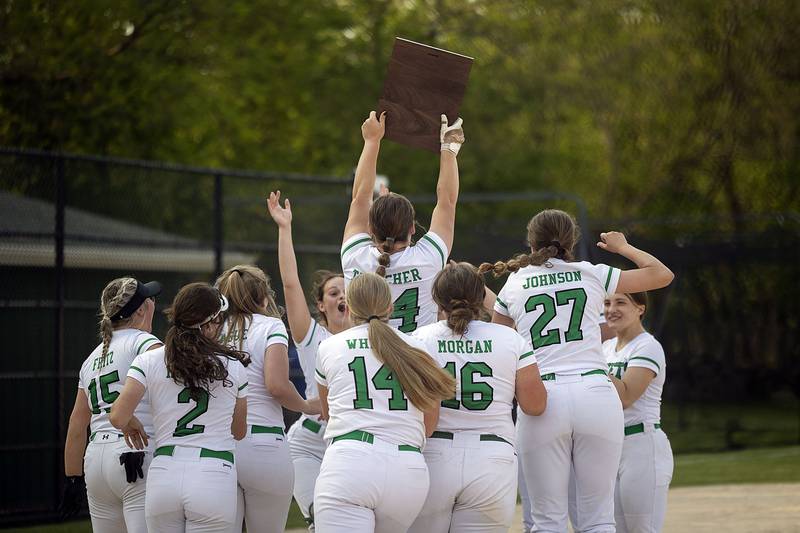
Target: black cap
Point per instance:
(143, 292)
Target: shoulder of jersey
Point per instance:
(429, 330)
(651, 342)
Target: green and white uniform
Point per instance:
(114, 504)
(410, 275)
(645, 469)
(558, 307)
(470, 456)
(306, 435)
(191, 484)
(263, 460)
(373, 476)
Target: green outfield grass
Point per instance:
(766, 465)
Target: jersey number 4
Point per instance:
(540, 337)
(382, 380)
(406, 308)
(183, 428)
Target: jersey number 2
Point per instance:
(183, 429)
(541, 338)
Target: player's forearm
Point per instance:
(296, 308)
(447, 185)
(73, 451)
(648, 262)
(366, 171)
(286, 394)
(622, 390)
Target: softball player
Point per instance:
(116, 495)
(381, 391)
(470, 456)
(197, 390)
(638, 369)
(377, 236)
(305, 436)
(558, 303)
(264, 463)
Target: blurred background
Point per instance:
(141, 137)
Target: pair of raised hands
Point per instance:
(450, 137)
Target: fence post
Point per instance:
(218, 220)
(58, 429)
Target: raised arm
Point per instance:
(443, 220)
(651, 273)
(372, 131)
(296, 307)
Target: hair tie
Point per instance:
(237, 271)
(373, 317)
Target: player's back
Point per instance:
(558, 306)
(363, 393)
(102, 377)
(484, 362)
(260, 333)
(179, 419)
(410, 275)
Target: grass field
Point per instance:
(767, 465)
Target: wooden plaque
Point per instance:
(422, 82)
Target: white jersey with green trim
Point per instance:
(102, 378)
(557, 306)
(410, 276)
(484, 362)
(179, 420)
(307, 354)
(646, 352)
(363, 394)
(259, 334)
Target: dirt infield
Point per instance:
(757, 508)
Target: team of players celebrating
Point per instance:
(407, 417)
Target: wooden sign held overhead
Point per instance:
(422, 82)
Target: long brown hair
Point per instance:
(370, 301)
(552, 233)
(458, 290)
(321, 278)
(390, 218)
(246, 287)
(190, 356)
(115, 295)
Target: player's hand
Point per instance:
(451, 137)
(134, 464)
(313, 407)
(373, 128)
(73, 497)
(612, 241)
(384, 190)
(281, 215)
(135, 435)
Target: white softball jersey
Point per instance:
(410, 275)
(363, 394)
(484, 362)
(179, 419)
(307, 354)
(260, 333)
(646, 352)
(102, 378)
(559, 305)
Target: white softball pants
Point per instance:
(186, 492)
(581, 428)
(645, 472)
(115, 506)
(527, 512)
(365, 488)
(307, 448)
(473, 486)
(266, 478)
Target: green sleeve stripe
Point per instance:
(501, 302)
(243, 385)
(523, 356)
(142, 344)
(608, 279)
(320, 374)
(355, 243)
(278, 335)
(313, 330)
(438, 248)
(646, 359)
(138, 370)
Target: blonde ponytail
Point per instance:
(424, 383)
(115, 295)
(247, 288)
